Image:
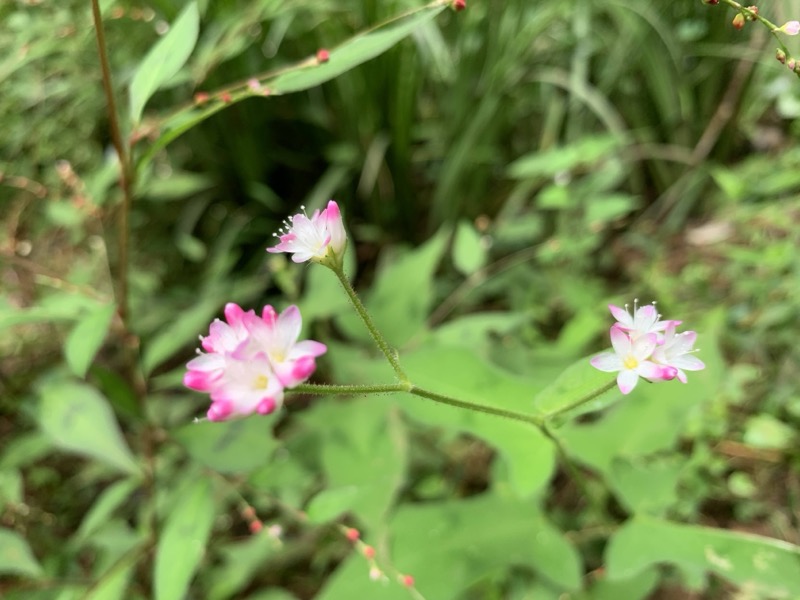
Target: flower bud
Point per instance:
(753, 13)
(323, 55)
(790, 28)
(780, 55)
(459, 5)
(738, 21)
(712, 2)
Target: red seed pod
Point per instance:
(323, 55)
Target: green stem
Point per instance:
(388, 352)
(309, 388)
(583, 400)
(773, 28)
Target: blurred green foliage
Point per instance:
(505, 172)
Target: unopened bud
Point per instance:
(407, 580)
(226, 97)
(201, 97)
(738, 21)
(459, 5)
(780, 55)
(791, 64)
(790, 28)
(323, 55)
(256, 526)
(369, 552)
(375, 573)
(711, 2)
(753, 13)
(352, 534)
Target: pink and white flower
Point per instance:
(320, 238)
(790, 28)
(676, 351)
(631, 358)
(644, 346)
(250, 360)
(644, 320)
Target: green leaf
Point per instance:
(527, 454)
(180, 331)
(305, 75)
(183, 540)
(400, 298)
(86, 338)
(10, 487)
(449, 546)
(648, 487)
(363, 454)
(763, 566)
(578, 381)
(105, 505)
(16, 557)
(77, 418)
(765, 431)
(550, 162)
(469, 254)
(164, 59)
(237, 446)
(241, 560)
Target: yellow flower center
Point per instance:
(261, 382)
(630, 362)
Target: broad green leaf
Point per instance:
(578, 381)
(86, 338)
(363, 455)
(237, 446)
(638, 587)
(646, 487)
(528, 456)
(182, 542)
(164, 59)
(78, 419)
(765, 567)
(469, 253)
(16, 557)
(305, 75)
(448, 546)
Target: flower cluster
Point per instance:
(250, 360)
(320, 238)
(645, 346)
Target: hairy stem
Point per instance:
(388, 352)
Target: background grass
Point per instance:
(519, 165)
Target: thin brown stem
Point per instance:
(125, 171)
